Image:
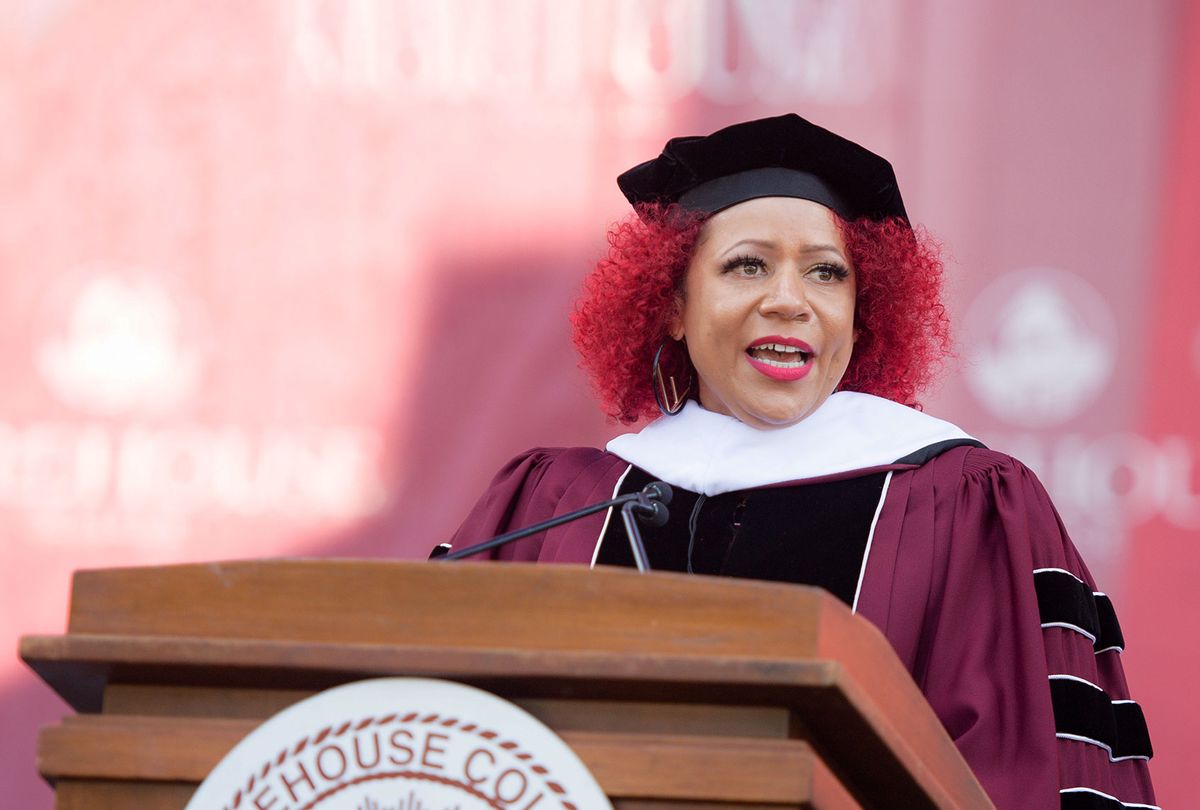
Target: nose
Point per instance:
(785, 297)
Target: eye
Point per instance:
(746, 266)
(828, 272)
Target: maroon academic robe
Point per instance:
(972, 578)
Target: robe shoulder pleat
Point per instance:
(538, 485)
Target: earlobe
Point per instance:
(675, 323)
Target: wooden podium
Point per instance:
(676, 691)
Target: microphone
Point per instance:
(660, 491)
(649, 506)
(653, 513)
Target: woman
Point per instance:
(773, 302)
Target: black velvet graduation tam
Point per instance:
(785, 156)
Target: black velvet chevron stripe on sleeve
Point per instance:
(1133, 738)
(1088, 799)
(1083, 711)
(1066, 601)
(1111, 637)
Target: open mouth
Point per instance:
(782, 359)
(779, 355)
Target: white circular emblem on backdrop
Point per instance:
(115, 339)
(1041, 346)
(401, 744)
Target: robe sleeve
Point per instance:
(1019, 651)
(537, 485)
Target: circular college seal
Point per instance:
(401, 744)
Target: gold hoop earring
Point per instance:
(669, 402)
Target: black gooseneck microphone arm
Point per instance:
(649, 505)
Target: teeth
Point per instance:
(760, 350)
(780, 363)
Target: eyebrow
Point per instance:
(773, 245)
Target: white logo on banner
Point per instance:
(401, 743)
(1042, 349)
(121, 348)
(455, 50)
(130, 353)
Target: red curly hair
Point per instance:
(623, 315)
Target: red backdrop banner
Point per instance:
(1163, 552)
(292, 277)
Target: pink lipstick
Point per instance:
(780, 358)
